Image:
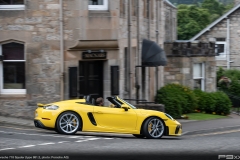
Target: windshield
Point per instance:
(132, 106)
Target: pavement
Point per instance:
(190, 127)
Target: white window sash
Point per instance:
(12, 7)
(14, 60)
(99, 7)
(224, 54)
(13, 91)
(202, 78)
(9, 91)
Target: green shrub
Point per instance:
(205, 101)
(222, 103)
(217, 102)
(201, 99)
(177, 99)
(234, 76)
(234, 88)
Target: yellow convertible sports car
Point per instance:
(70, 116)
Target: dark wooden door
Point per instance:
(91, 78)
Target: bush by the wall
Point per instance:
(177, 99)
(234, 76)
(205, 101)
(223, 103)
(217, 102)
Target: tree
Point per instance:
(191, 20)
(215, 8)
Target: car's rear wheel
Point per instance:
(153, 128)
(139, 135)
(68, 123)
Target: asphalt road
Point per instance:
(23, 143)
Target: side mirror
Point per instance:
(40, 105)
(125, 107)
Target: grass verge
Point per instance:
(203, 116)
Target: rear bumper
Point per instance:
(39, 124)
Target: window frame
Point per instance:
(202, 77)
(99, 7)
(12, 7)
(224, 55)
(10, 91)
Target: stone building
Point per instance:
(226, 32)
(52, 50)
(191, 64)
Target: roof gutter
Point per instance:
(228, 44)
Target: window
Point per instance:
(198, 76)
(12, 69)
(12, 5)
(98, 4)
(220, 49)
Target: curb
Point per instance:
(210, 130)
(29, 125)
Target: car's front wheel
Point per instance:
(68, 123)
(153, 128)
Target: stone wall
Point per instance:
(38, 27)
(180, 66)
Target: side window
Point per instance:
(12, 69)
(198, 76)
(12, 5)
(98, 4)
(220, 49)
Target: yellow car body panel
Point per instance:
(112, 120)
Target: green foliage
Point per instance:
(176, 2)
(234, 86)
(180, 100)
(205, 101)
(170, 98)
(213, 6)
(177, 99)
(193, 18)
(223, 103)
(213, 102)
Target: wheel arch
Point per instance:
(80, 129)
(141, 129)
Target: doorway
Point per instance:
(91, 78)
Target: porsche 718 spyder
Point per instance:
(70, 116)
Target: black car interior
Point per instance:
(91, 101)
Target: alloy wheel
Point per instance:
(68, 123)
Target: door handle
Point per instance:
(99, 112)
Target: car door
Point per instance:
(115, 119)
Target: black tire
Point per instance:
(153, 128)
(68, 123)
(139, 135)
(56, 130)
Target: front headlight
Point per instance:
(51, 107)
(170, 117)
